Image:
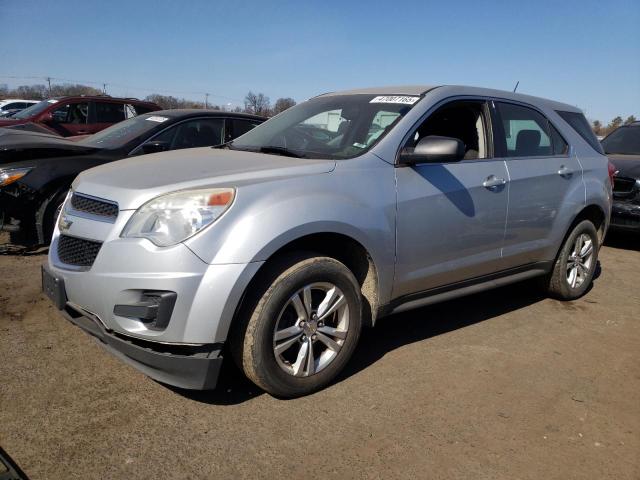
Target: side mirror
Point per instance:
(155, 146)
(433, 149)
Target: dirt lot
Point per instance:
(505, 384)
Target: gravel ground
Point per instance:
(505, 384)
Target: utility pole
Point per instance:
(206, 100)
(49, 82)
(104, 88)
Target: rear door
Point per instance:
(451, 216)
(542, 174)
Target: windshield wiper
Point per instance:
(280, 151)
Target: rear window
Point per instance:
(623, 141)
(581, 126)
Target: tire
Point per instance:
(51, 215)
(280, 364)
(570, 280)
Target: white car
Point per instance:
(12, 105)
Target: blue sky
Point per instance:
(585, 53)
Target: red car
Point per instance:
(82, 115)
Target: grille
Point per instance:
(93, 206)
(77, 251)
(623, 184)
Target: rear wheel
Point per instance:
(302, 329)
(576, 263)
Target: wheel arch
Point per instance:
(340, 246)
(49, 192)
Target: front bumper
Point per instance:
(195, 367)
(125, 269)
(18, 207)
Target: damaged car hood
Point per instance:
(17, 145)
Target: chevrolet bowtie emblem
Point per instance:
(64, 223)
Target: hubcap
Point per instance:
(579, 261)
(311, 329)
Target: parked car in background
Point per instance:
(623, 149)
(276, 248)
(14, 105)
(36, 170)
(67, 116)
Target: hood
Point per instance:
(31, 127)
(18, 145)
(134, 181)
(627, 165)
(5, 122)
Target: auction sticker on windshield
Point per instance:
(155, 118)
(395, 99)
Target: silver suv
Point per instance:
(276, 249)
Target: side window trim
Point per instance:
(176, 124)
(498, 120)
(489, 137)
(499, 137)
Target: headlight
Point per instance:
(10, 175)
(172, 218)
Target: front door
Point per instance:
(451, 217)
(71, 119)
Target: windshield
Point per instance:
(118, 135)
(34, 109)
(335, 127)
(624, 141)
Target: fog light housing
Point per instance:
(154, 309)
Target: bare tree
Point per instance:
(30, 92)
(282, 104)
(257, 103)
(615, 123)
(68, 89)
(168, 102)
(630, 119)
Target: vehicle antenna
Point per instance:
(516, 87)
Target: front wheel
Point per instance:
(576, 263)
(51, 214)
(303, 328)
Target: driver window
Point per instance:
(75, 113)
(462, 120)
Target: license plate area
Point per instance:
(53, 287)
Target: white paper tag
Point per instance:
(154, 118)
(395, 99)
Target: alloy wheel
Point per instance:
(311, 329)
(580, 261)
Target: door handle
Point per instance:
(565, 172)
(492, 182)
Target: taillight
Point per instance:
(612, 172)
